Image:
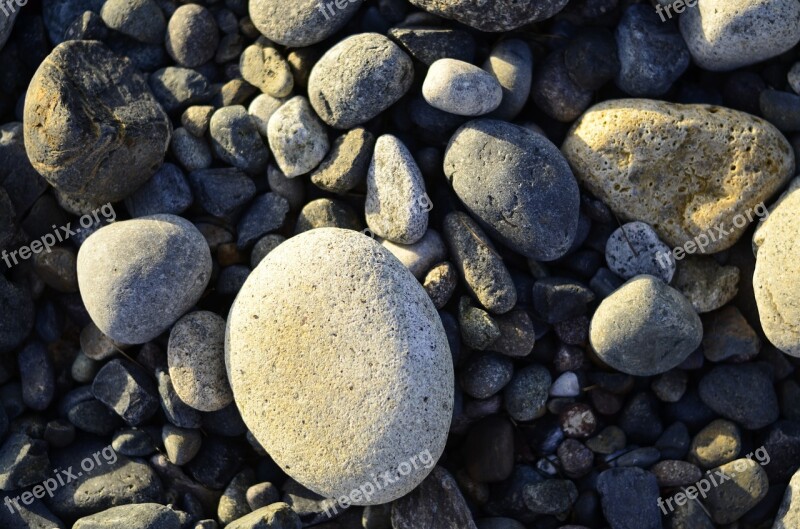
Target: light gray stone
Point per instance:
(420, 256)
(634, 249)
(461, 88)
(300, 23)
(297, 137)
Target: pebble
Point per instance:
(127, 389)
(705, 283)
(676, 473)
(181, 444)
(266, 213)
(731, 499)
(346, 164)
(781, 109)
(261, 108)
(276, 516)
(164, 256)
(742, 393)
(440, 283)
(396, 206)
(167, 192)
(192, 152)
(502, 15)
(358, 78)
(263, 247)
(261, 495)
(302, 23)
(551, 496)
(781, 445)
(566, 385)
(196, 356)
(58, 268)
(716, 161)
(177, 88)
(556, 93)
(297, 137)
(543, 209)
(263, 67)
(624, 510)
(23, 461)
(725, 35)
(327, 213)
(716, 444)
(133, 442)
(142, 20)
(645, 328)
(119, 148)
(192, 36)
(728, 336)
(233, 504)
(18, 310)
(420, 256)
(592, 58)
(479, 265)
(236, 141)
(461, 88)
(429, 44)
(670, 386)
(789, 514)
(526, 394)
(216, 463)
(196, 119)
(652, 54)
(486, 374)
(611, 439)
(517, 334)
(558, 299)
(139, 516)
(576, 459)
(489, 450)
(674, 442)
(634, 249)
(640, 419)
(222, 191)
(290, 429)
(176, 411)
(578, 421)
(511, 63)
(436, 504)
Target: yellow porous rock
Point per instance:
(687, 170)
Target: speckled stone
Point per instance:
(645, 328)
(727, 34)
(359, 78)
(634, 249)
(789, 514)
(494, 15)
(718, 443)
(619, 151)
(705, 283)
(297, 137)
(347, 163)
(316, 415)
(263, 67)
(137, 277)
(196, 359)
(461, 88)
(517, 184)
(300, 23)
(397, 205)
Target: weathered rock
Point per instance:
(495, 15)
(705, 283)
(300, 23)
(436, 504)
(138, 516)
(789, 514)
(747, 484)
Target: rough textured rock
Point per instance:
(276, 516)
(731, 499)
(297, 137)
(363, 317)
(742, 393)
(645, 328)
(139, 516)
(493, 15)
(668, 165)
(301, 22)
(92, 127)
(436, 504)
(706, 284)
(137, 277)
(347, 162)
(517, 184)
(727, 34)
(789, 514)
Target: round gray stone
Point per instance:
(300, 23)
(297, 137)
(137, 277)
(141, 20)
(634, 249)
(511, 62)
(359, 78)
(192, 35)
(645, 328)
(262, 108)
(517, 184)
(196, 360)
(461, 88)
(367, 375)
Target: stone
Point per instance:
(789, 514)
(137, 277)
(728, 336)
(420, 256)
(222, 191)
(511, 62)
(108, 135)
(489, 450)
(261, 109)
(747, 484)
(551, 496)
(556, 93)
(478, 329)
(358, 78)
(261, 495)
(592, 59)
(672, 473)
(181, 444)
(652, 54)
(302, 23)
(517, 334)
(397, 206)
(233, 503)
(139, 516)
(23, 461)
(533, 214)
(479, 265)
(440, 283)
(742, 393)
(526, 394)
(177, 412)
(196, 119)
(177, 88)
(327, 213)
(331, 267)
(37, 376)
(128, 390)
(718, 443)
(634, 249)
(624, 510)
(670, 386)
(192, 152)
(429, 44)
(566, 385)
(141, 20)
(133, 442)
(263, 67)
(263, 247)
(236, 141)
(192, 36)
(461, 88)
(276, 516)
(712, 152)
(705, 283)
(645, 328)
(497, 16)
(436, 504)
(297, 137)
(266, 213)
(347, 162)
(725, 35)
(166, 192)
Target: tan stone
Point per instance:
(683, 169)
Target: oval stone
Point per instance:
(137, 277)
(340, 365)
(687, 170)
(517, 184)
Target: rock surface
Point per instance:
(300, 23)
(493, 15)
